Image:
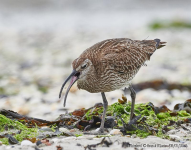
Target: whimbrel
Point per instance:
(110, 65)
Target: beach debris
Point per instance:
(148, 120)
(29, 121)
(26, 142)
(123, 100)
(115, 132)
(183, 106)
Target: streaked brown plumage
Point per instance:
(111, 65)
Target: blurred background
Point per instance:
(39, 39)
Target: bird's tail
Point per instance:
(159, 44)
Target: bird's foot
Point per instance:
(98, 131)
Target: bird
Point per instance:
(110, 65)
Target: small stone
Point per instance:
(97, 130)
(46, 129)
(128, 136)
(115, 132)
(110, 122)
(134, 136)
(155, 126)
(74, 130)
(63, 130)
(23, 110)
(27, 142)
(12, 140)
(38, 143)
(172, 132)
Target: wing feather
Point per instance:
(122, 55)
(125, 55)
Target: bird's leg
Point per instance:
(133, 95)
(105, 105)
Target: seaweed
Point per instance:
(148, 120)
(8, 124)
(170, 24)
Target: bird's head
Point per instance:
(81, 69)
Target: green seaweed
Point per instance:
(170, 24)
(2, 90)
(77, 135)
(142, 129)
(43, 89)
(183, 113)
(145, 110)
(89, 114)
(25, 132)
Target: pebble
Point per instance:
(27, 142)
(133, 136)
(172, 132)
(97, 130)
(38, 143)
(63, 130)
(23, 110)
(115, 132)
(46, 129)
(74, 130)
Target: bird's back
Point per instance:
(116, 61)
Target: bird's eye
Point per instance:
(84, 66)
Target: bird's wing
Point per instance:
(126, 56)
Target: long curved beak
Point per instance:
(75, 76)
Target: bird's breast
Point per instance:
(103, 84)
